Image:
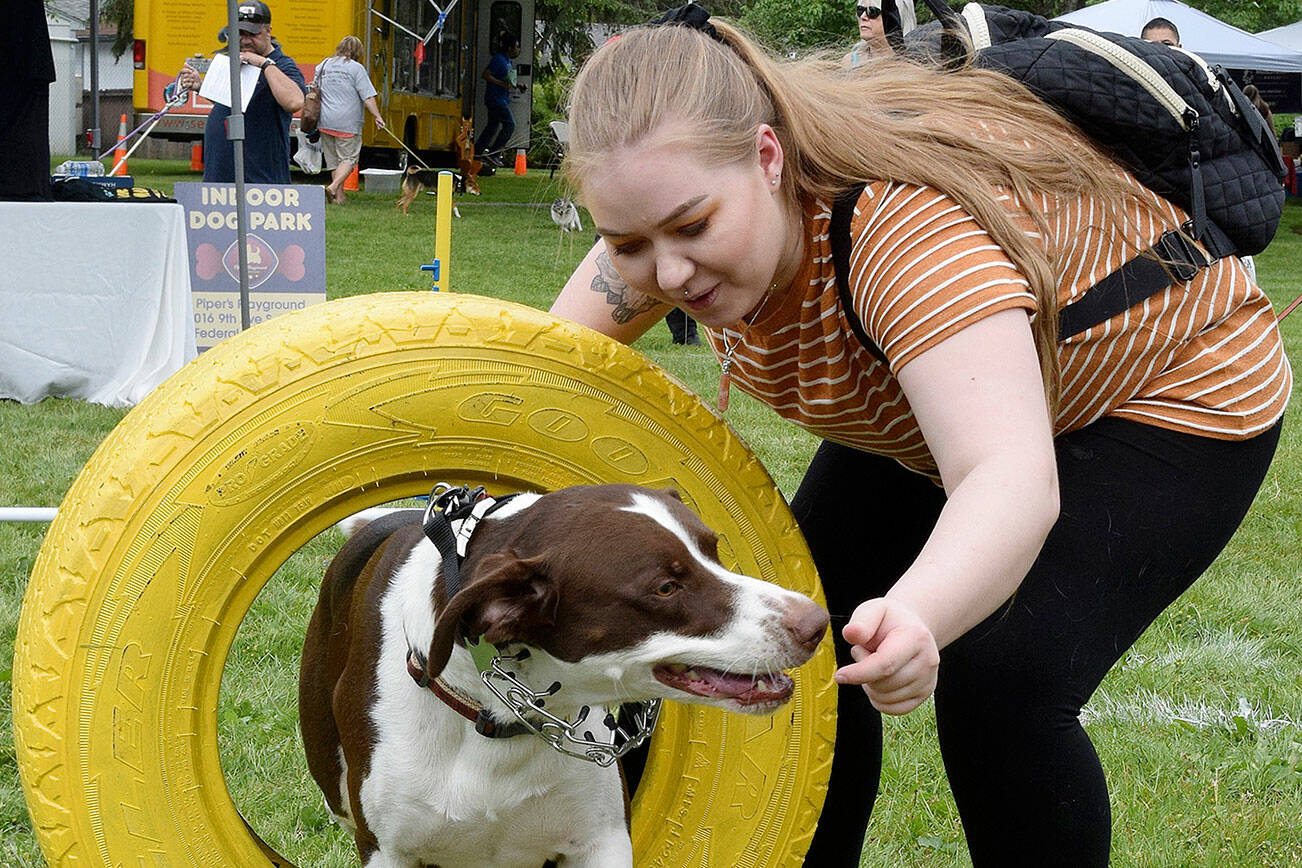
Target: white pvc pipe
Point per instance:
(27, 513)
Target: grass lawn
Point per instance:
(1200, 726)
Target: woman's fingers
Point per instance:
(895, 654)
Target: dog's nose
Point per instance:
(805, 622)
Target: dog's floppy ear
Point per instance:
(508, 599)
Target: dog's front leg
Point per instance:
(609, 848)
(383, 859)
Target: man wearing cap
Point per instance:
(278, 94)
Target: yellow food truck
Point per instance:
(425, 58)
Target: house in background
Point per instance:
(70, 97)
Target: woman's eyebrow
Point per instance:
(681, 209)
(673, 215)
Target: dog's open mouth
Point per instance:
(714, 684)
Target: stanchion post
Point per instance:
(443, 231)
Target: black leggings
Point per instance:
(1144, 512)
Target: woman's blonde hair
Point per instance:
(890, 119)
(350, 47)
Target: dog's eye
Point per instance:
(667, 589)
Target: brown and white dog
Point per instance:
(593, 596)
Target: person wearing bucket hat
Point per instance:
(882, 25)
(277, 95)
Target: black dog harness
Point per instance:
(467, 506)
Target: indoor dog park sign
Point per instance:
(286, 253)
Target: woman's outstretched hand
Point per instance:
(896, 657)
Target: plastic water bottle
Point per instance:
(80, 168)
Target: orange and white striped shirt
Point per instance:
(1203, 357)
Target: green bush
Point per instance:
(551, 92)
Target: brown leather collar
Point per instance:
(463, 705)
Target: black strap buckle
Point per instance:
(1178, 252)
(456, 503)
(445, 507)
(1173, 258)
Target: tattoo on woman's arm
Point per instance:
(628, 305)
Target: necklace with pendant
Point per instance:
(725, 364)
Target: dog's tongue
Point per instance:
(742, 689)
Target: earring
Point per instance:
(774, 182)
(686, 292)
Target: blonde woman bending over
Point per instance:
(996, 515)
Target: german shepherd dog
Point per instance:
(417, 179)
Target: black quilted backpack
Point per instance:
(1183, 128)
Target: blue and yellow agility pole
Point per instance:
(440, 267)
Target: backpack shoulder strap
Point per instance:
(1171, 258)
(839, 235)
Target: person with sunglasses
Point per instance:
(880, 21)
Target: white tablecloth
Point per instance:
(94, 300)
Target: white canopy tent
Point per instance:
(1208, 37)
(1289, 36)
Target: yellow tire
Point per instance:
(210, 484)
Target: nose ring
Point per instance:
(686, 292)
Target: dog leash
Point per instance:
(466, 505)
(1288, 310)
(394, 136)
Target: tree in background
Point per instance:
(794, 25)
(1253, 17)
(121, 14)
(790, 24)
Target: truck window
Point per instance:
(505, 15)
(407, 14)
(440, 72)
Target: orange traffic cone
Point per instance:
(521, 166)
(351, 182)
(196, 157)
(120, 152)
